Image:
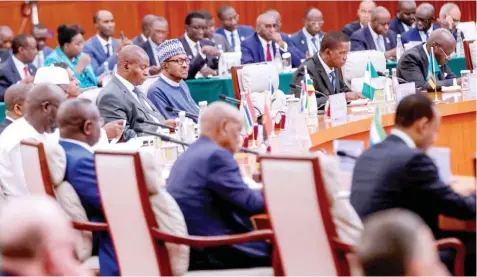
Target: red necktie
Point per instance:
(269, 53)
(26, 71)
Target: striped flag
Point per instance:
(369, 74)
(303, 96)
(247, 120)
(267, 120)
(432, 70)
(251, 108)
(271, 89)
(309, 89)
(376, 132)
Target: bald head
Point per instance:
(449, 16)
(441, 37)
(104, 23)
(407, 12)
(133, 62)
(380, 20)
(78, 119)
(14, 99)
(364, 11)
(406, 4)
(379, 13)
(443, 43)
(41, 105)
(221, 123)
(146, 23)
(313, 19)
(448, 8)
(6, 37)
(426, 10)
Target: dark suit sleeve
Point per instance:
(357, 43)
(97, 67)
(450, 74)
(409, 70)
(225, 181)
(424, 179)
(295, 53)
(84, 182)
(4, 84)
(347, 30)
(157, 97)
(111, 108)
(195, 66)
(343, 86)
(247, 54)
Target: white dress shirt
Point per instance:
(192, 45)
(109, 42)
(405, 137)
(12, 178)
(20, 66)
(423, 34)
(237, 39)
(405, 26)
(311, 48)
(154, 50)
(143, 37)
(378, 40)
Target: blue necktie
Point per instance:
(315, 47)
(332, 79)
(232, 40)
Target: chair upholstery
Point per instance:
(469, 29)
(355, 67)
(33, 165)
(473, 55)
(90, 94)
(148, 83)
(254, 77)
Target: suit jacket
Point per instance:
(321, 81)
(299, 39)
(9, 75)
(296, 54)
(95, 50)
(393, 175)
(396, 26)
(413, 35)
(222, 41)
(197, 62)
(206, 183)
(244, 32)
(115, 102)
(363, 40)
(351, 27)
(81, 174)
(150, 52)
(138, 40)
(413, 67)
(4, 124)
(4, 54)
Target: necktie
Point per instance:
(107, 50)
(25, 69)
(40, 60)
(269, 52)
(232, 40)
(150, 113)
(332, 79)
(427, 36)
(315, 47)
(379, 46)
(197, 49)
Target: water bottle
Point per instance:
(399, 47)
(202, 106)
(459, 49)
(395, 82)
(181, 126)
(222, 65)
(278, 60)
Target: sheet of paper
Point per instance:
(441, 157)
(338, 106)
(403, 90)
(350, 147)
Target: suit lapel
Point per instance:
(186, 47)
(151, 54)
(424, 59)
(303, 42)
(259, 48)
(369, 39)
(321, 70)
(13, 68)
(99, 48)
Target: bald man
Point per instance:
(414, 63)
(146, 30)
(364, 13)
(264, 44)
(14, 99)
(102, 48)
(449, 17)
(122, 99)
(424, 25)
(79, 125)
(213, 197)
(405, 17)
(308, 40)
(377, 35)
(6, 38)
(36, 239)
(41, 105)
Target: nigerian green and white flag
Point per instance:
(376, 132)
(369, 74)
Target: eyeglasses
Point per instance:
(179, 61)
(445, 54)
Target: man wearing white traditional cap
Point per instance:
(170, 88)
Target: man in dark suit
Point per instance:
(121, 99)
(213, 197)
(324, 69)
(405, 17)
(219, 40)
(102, 47)
(414, 63)
(376, 36)
(18, 67)
(202, 53)
(14, 99)
(145, 26)
(40, 33)
(264, 44)
(397, 173)
(364, 13)
(424, 25)
(230, 29)
(80, 126)
(158, 31)
(308, 39)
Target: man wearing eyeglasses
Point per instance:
(424, 25)
(414, 63)
(201, 52)
(449, 18)
(308, 39)
(170, 88)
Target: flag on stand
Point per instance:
(251, 107)
(272, 90)
(302, 96)
(309, 89)
(369, 74)
(376, 132)
(432, 70)
(267, 120)
(247, 120)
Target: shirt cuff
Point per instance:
(285, 47)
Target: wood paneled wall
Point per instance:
(128, 14)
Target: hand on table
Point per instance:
(353, 95)
(114, 129)
(390, 54)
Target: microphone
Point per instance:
(399, 79)
(236, 101)
(342, 153)
(315, 91)
(142, 120)
(174, 110)
(173, 140)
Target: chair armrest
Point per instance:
(89, 226)
(459, 253)
(342, 246)
(199, 241)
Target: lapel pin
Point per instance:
(190, 57)
(387, 40)
(242, 38)
(302, 42)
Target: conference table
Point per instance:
(210, 89)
